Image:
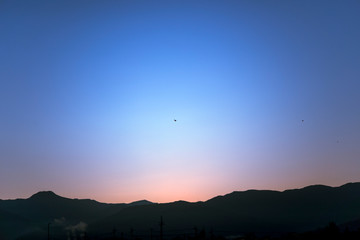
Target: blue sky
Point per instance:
(89, 91)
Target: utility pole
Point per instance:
(161, 228)
(131, 233)
(195, 232)
(151, 234)
(49, 230)
(114, 233)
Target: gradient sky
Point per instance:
(89, 91)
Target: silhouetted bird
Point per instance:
(174, 120)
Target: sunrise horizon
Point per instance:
(165, 101)
(88, 197)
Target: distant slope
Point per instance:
(47, 207)
(249, 211)
(140, 203)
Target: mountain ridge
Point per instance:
(259, 211)
(51, 194)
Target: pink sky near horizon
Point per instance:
(265, 95)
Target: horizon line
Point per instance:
(181, 200)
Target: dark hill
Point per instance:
(261, 212)
(44, 196)
(44, 207)
(267, 212)
(139, 203)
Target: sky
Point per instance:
(265, 95)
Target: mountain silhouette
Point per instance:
(44, 196)
(140, 203)
(264, 212)
(257, 211)
(46, 207)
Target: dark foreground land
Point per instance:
(331, 232)
(314, 212)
